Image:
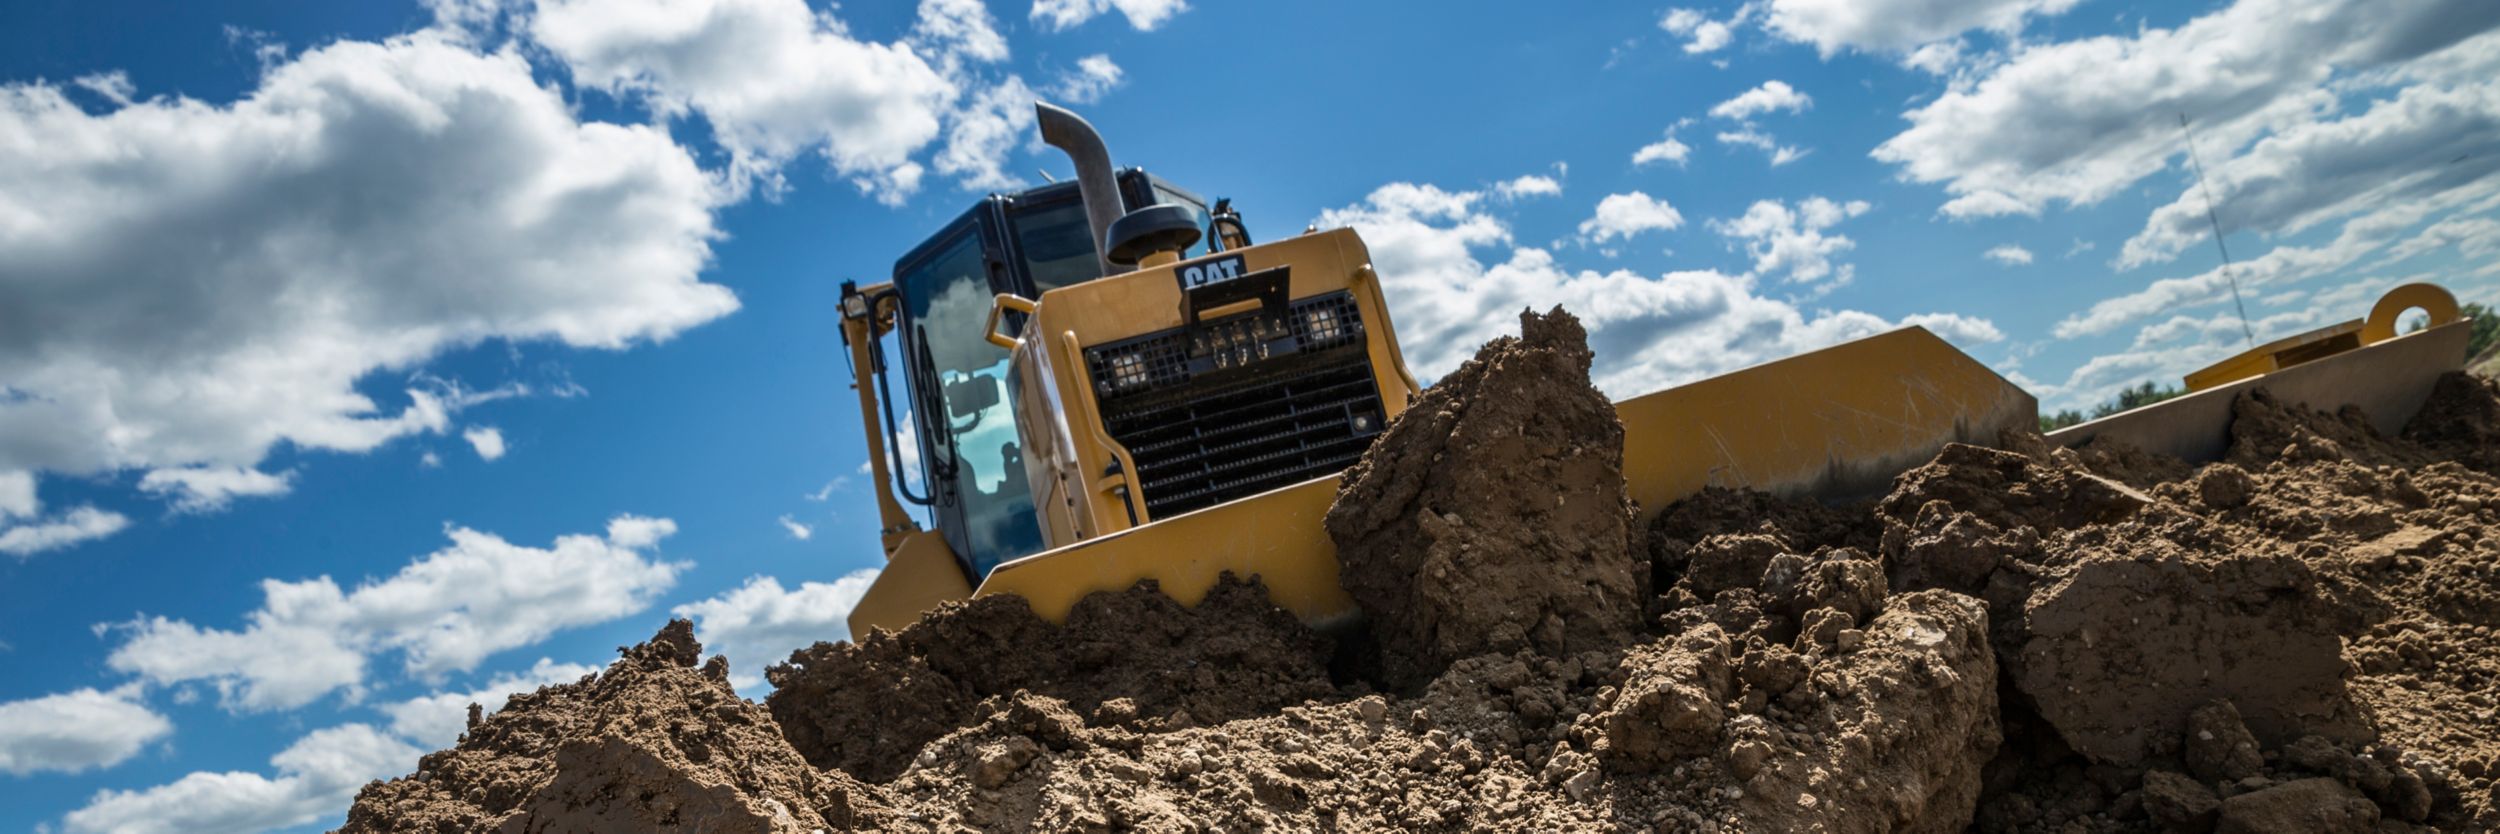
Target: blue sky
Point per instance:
(361, 360)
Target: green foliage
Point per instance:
(2127, 399)
(2486, 327)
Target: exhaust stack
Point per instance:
(1094, 176)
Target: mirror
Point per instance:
(968, 396)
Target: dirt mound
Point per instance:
(1134, 659)
(2122, 646)
(2026, 639)
(653, 743)
(2460, 422)
(1490, 517)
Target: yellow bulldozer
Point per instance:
(1108, 381)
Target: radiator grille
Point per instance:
(1240, 405)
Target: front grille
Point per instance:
(1240, 405)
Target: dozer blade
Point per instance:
(2389, 380)
(1834, 423)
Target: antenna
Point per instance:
(2210, 217)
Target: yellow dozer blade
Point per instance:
(1834, 423)
(2363, 362)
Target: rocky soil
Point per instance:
(2015, 639)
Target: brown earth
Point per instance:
(2018, 640)
(1449, 557)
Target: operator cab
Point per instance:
(962, 399)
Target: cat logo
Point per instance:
(1220, 270)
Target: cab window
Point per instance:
(948, 300)
(1056, 244)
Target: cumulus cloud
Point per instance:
(1649, 331)
(487, 440)
(1898, 25)
(797, 530)
(761, 623)
(436, 720)
(208, 488)
(1764, 142)
(1094, 76)
(1530, 185)
(2077, 121)
(2427, 143)
(1773, 95)
(1144, 15)
(1700, 33)
(1666, 149)
(2009, 255)
(78, 525)
(1792, 242)
(1625, 215)
(315, 777)
(76, 730)
(186, 285)
(772, 78)
(444, 612)
(2281, 265)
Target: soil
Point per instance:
(1446, 553)
(2015, 639)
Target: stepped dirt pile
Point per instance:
(2016, 638)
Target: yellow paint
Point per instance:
(1827, 423)
(860, 336)
(1066, 447)
(2331, 339)
(1278, 536)
(917, 576)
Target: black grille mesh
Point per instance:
(1240, 405)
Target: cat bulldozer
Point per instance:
(1106, 381)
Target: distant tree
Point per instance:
(2128, 399)
(2486, 328)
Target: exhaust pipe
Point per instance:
(1094, 178)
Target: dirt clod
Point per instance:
(1491, 517)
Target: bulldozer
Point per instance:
(1108, 381)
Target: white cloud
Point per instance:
(17, 495)
(209, 488)
(2080, 120)
(760, 623)
(1095, 75)
(1898, 25)
(1144, 15)
(639, 532)
(1648, 331)
(444, 612)
(838, 484)
(430, 460)
(113, 86)
(75, 731)
(316, 777)
(1663, 150)
(188, 285)
(1753, 138)
(79, 525)
(772, 78)
(436, 721)
(2010, 255)
(2425, 143)
(1530, 185)
(1625, 215)
(2281, 265)
(487, 440)
(1791, 242)
(1773, 95)
(796, 530)
(1702, 34)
